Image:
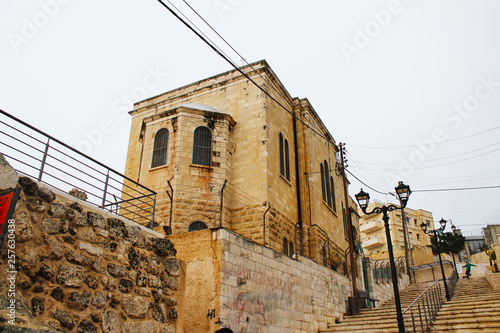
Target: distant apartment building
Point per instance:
(373, 236)
(490, 233)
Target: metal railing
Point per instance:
(382, 269)
(420, 314)
(48, 160)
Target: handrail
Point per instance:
(69, 147)
(40, 156)
(420, 314)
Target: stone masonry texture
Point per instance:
(82, 281)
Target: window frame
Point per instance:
(158, 151)
(200, 155)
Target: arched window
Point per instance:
(323, 184)
(327, 186)
(332, 185)
(287, 161)
(197, 225)
(285, 246)
(328, 189)
(291, 249)
(284, 157)
(202, 146)
(160, 147)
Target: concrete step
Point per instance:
(469, 327)
(366, 327)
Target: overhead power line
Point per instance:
(371, 188)
(415, 146)
(458, 189)
(438, 159)
(443, 164)
(214, 48)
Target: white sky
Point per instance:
(379, 73)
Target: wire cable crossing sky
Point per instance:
(414, 102)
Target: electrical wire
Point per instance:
(234, 50)
(371, 188)
(414, 146)
(458, 189)
(440, 165)
(241, 72)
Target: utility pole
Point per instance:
(353, 301)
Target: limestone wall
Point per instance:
(78, 269)
(234, 282)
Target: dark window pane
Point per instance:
(202, 146)
(287, 161)
(282, 160)
(160, 148)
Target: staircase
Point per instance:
(475, 307)
(381, 319)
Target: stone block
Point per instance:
(8, 175)
(135, 306)
(90, 249)
(69, 276)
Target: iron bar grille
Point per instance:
(46, 159)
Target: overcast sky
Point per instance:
(412, 87)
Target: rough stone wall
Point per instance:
(78, 269)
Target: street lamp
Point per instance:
(403, 191)
(436, 233)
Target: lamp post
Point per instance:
(403, 191)
(436, 233)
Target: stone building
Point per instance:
(222, 153)
(374, 239)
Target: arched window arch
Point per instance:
(285, 246)
(197, 225)
(202, 146)
(291, 249)
(160, 148)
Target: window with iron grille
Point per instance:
(202, 146)
(160, 148)
(197, 225)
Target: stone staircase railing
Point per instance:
(420, 314)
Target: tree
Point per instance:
(449, 242)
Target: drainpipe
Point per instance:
(264, 220)
(297, 177)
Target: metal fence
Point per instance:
(382, 269)
(200, 206)
(420, 314)
(44, 158)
